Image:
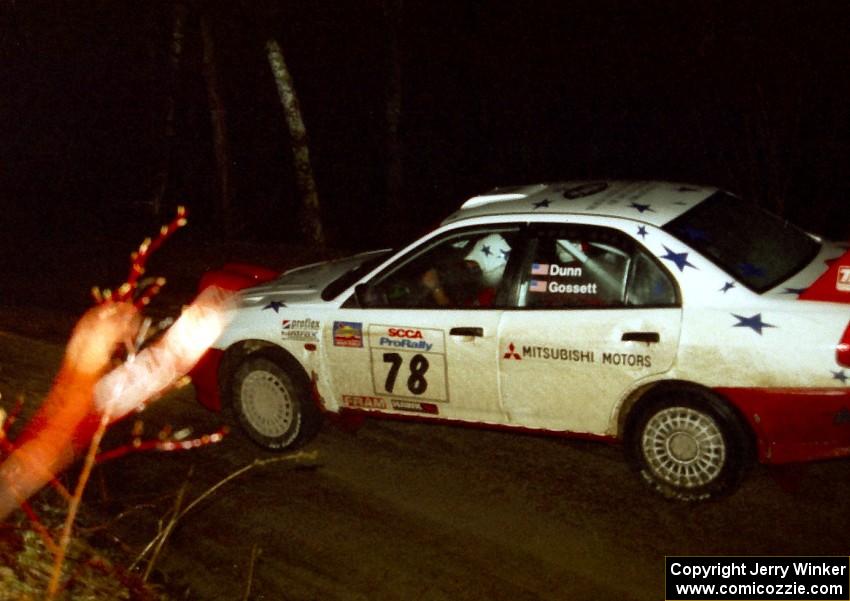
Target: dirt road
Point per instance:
(418, 511)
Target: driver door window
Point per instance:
(461, 270)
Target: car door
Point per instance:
(422, 335)
(596, 314)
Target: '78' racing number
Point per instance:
(408, 362)
(416, 382)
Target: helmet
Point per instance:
(491, 254)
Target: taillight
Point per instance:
(842, 351)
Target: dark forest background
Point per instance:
(752, 96)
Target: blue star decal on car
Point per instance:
(642, 232)
(750, 270)
(694, 233)
(542, 204)
(797, 291)
(274, 305)
(754, 322)
(727, 287)
(679, 259)
(642, 208)
(486, 250)
(840, 376)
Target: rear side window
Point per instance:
(758, 248)
(592, 267)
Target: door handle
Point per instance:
(467, 332)
(647, 337)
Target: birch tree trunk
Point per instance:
(175, 54)
(311, 221)
(223, 209)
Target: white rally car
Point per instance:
(686, 322)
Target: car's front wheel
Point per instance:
(272, 403)
(689, 445)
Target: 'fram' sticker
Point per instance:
(363, 402)
(843, 283)
(348, 333)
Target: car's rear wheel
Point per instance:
(272, 402)
(689, 445)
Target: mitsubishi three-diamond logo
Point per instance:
(512, 354)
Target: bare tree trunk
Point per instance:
(175, 55)
(223, 209)
(311, 221)
(395, 165)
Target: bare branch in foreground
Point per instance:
(296, 457)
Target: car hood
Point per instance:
(304, 284)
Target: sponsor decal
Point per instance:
(299, 329)
(413, 406)
(363, 402)
(627, 359)
(511, 353)
(408, 338)
(583, 190)
(408, 361)
(557, 353)
(348, 333)
(843, 282)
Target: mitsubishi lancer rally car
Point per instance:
(683, 321)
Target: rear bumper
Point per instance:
(205, 378)
(795, 424)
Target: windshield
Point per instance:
(340, 284)
(756, 247)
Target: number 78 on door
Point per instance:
(408, 362)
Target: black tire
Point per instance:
(689, 445)
(272, 402)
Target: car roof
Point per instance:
(651, 202)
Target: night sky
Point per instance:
(752, 96)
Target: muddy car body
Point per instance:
(695, 328)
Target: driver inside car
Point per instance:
(475, 281)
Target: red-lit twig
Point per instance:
(138, 262)
(168, 446)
